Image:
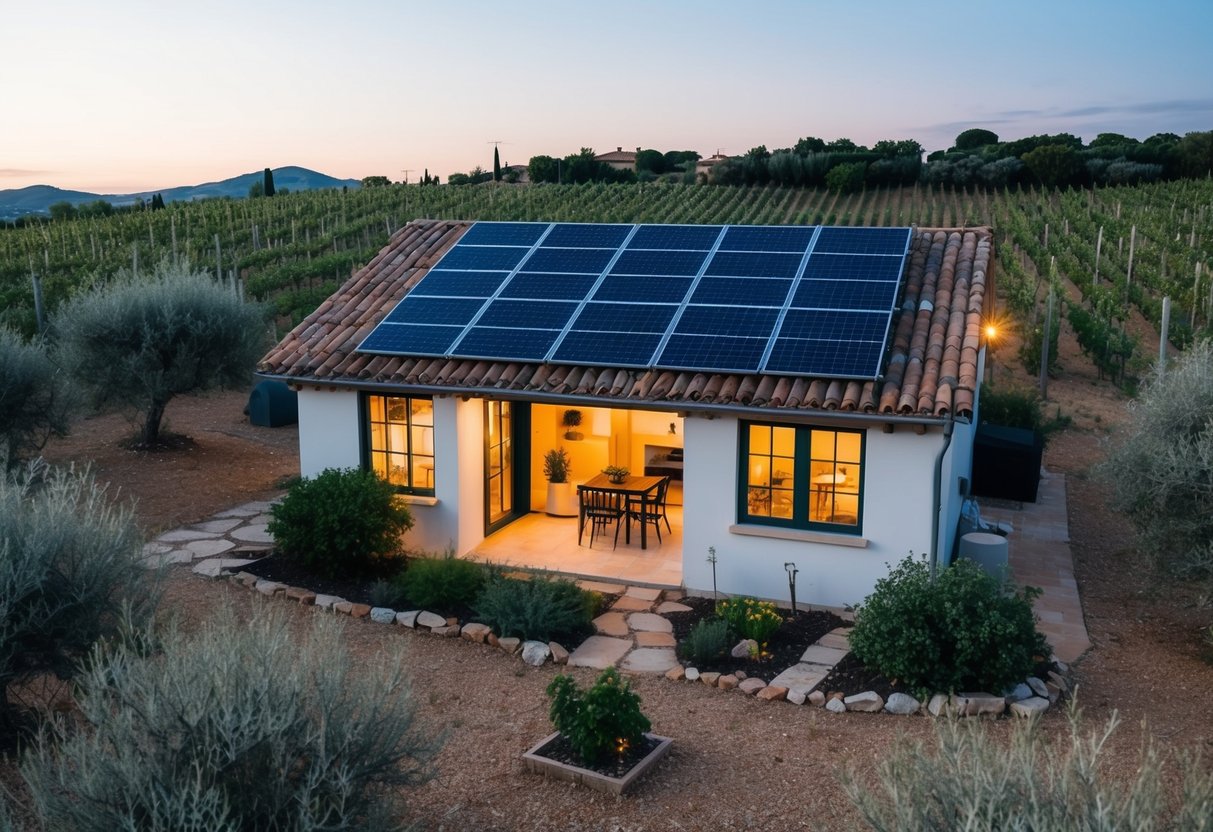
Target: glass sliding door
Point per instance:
(506, 466)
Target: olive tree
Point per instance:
(238, 726)
(139, 342)
(1161, 469)
(70, 575)
(34, 398)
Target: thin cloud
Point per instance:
(1178, 107)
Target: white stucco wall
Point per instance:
(897, 519)
(328, 431)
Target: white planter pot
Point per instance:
(562, 500)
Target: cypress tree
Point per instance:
(496, 165)
(268, 182)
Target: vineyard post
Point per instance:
(218, 261)
(1195, 297)
(172, 221)
(1162, 335)
(135, 259)
(1132, 243)
(37, 300)
(1098, 249)
(1044, 348)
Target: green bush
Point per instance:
(442, 583)
(603, 721)
(964, 632)
(35, 400)
(340, 522)
(540, 609)
(1012, 408)
(847, 177)
(750, 618)
(976, 782)
(387, 593)
(238, 726)
(70, 575)
(707, 641)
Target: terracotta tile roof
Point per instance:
(931, 368)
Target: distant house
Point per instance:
(833, 472)
(521, 173)
(619, 158)
(703, 168)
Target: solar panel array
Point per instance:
(788, 300)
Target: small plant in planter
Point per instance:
(751, 619)
(571, 420)
(601, 737)
(615, 473)
(562, 500)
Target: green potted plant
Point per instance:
(570, 420)
(602, 738)
(562, 501)
(616, 474)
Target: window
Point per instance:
(400, 441)
(802, 477)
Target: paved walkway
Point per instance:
(1039, 554)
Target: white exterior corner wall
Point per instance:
(957, 464)
(898, 513)
(329, 432)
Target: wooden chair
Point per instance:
(655, 513)
(601, 507)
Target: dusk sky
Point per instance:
(126, 95)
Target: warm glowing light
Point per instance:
(991, 332)
(621, 746)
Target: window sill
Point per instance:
(417, 499)
(801, 535)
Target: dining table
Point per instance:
(632, 488)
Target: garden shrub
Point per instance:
(70, 574)
(1011, 407)
(539, 609)
(604, 720)
(976, 782)
(750, 618)
(387, 593)
(443, 583)
(340, 522)
(707, 641)
(964, 632)
(35, 399)
(1162, 466)
(239, 726)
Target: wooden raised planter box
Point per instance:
(592, 779)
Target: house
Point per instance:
(703, 168)
(832, 476)
(619, 159)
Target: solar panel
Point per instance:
(776, 299)
(851, 240)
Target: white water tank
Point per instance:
(988, 550)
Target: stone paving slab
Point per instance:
(252, 534)
(185, 535)
(603, 587)
(644, 593)
(219, 525)
(819, 654)
(838, 642)
(646, 639)
(600, 652)
(627, 603)
(666, 607)
(212, 567)
(649, 622)
(611, 624)
(801, 678)
(649, 660)
(209, 548)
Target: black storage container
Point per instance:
(273, 404)
(1006, 463)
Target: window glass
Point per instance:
(827, 493)
(400, 439)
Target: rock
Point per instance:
(671, 606)
(817, 698)
(644, 593)
(835, 694)
(1030, 707)
(491, 639)
(650, 623)
(902, 704)
(741, 674)
(676, 673)
(474, 631)
(836, 706)
(772, 693)
(301, 594)
(1020, 691)
(1038, 687)
(327, 602)
(382, 615)
(258, 533)
(819, 654)
(977, 704)
(430, 620)
(535, 653)
(344, 607)
(559, 654)
(214, 567)
(405, 619)
(868, 702)
(509, 645)
(744, 649)
(360, 610)
(600, 652)
(691, 675)
(751, 686)
(246, 578)
(727, 682)
(1059, 680)
(709, 679)
(611, 624)
(938, 704)
(801, 677)
(1054, 692)
(796, 697)
(655, 640)
(837, 639)
(270, 588)
(446, 630)
(208, 548)
(452, 620)
(626, 603)
(1061, 666)
(649, 660)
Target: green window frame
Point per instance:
(398, 441)
(801, 477)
